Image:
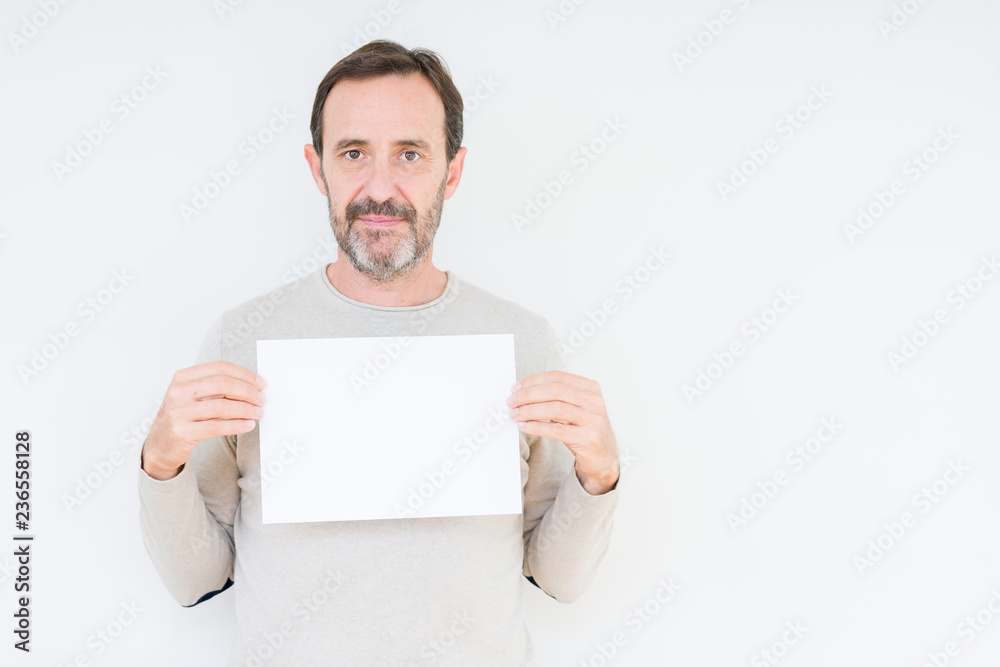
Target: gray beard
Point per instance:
(360, 242)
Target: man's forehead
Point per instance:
(384, 108)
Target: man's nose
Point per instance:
(380, 186)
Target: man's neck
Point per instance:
(422, 285)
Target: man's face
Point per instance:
(384, 171)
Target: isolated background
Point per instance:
(555, 86)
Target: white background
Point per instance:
(656, 184)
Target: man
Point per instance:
(386, 130)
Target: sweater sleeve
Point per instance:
(187, 521)
(566, 530)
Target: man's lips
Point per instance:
(379, 221)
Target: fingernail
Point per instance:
(261, 382)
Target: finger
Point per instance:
(558, 376)
(220, 367)
(565, 433)
(556, 391)
(224, 386)
(213, 428)
(218, 408)
(553, 411)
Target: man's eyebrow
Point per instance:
(415, 143)
(401, 143)
(344, 143)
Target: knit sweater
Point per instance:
(409, 591)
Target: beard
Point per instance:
(386, 254)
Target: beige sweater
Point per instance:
(411, 591)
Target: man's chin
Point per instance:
(378, 267)
(384, 277)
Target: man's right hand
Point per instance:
(202, 402)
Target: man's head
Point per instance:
(387, 132)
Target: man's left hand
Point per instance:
(570, 409)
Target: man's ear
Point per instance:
(316, 168)
(454, 172)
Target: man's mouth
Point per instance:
(379, 221)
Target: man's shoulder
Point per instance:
(246, 321)
(537, 342)
(294, 290)
(500, 311)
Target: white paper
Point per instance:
(388, 428)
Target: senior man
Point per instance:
(386, 152)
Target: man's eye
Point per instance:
(353, 154)
(410, 156)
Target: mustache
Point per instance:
(389, 209)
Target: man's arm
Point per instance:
(188, 490)
(566, 529)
